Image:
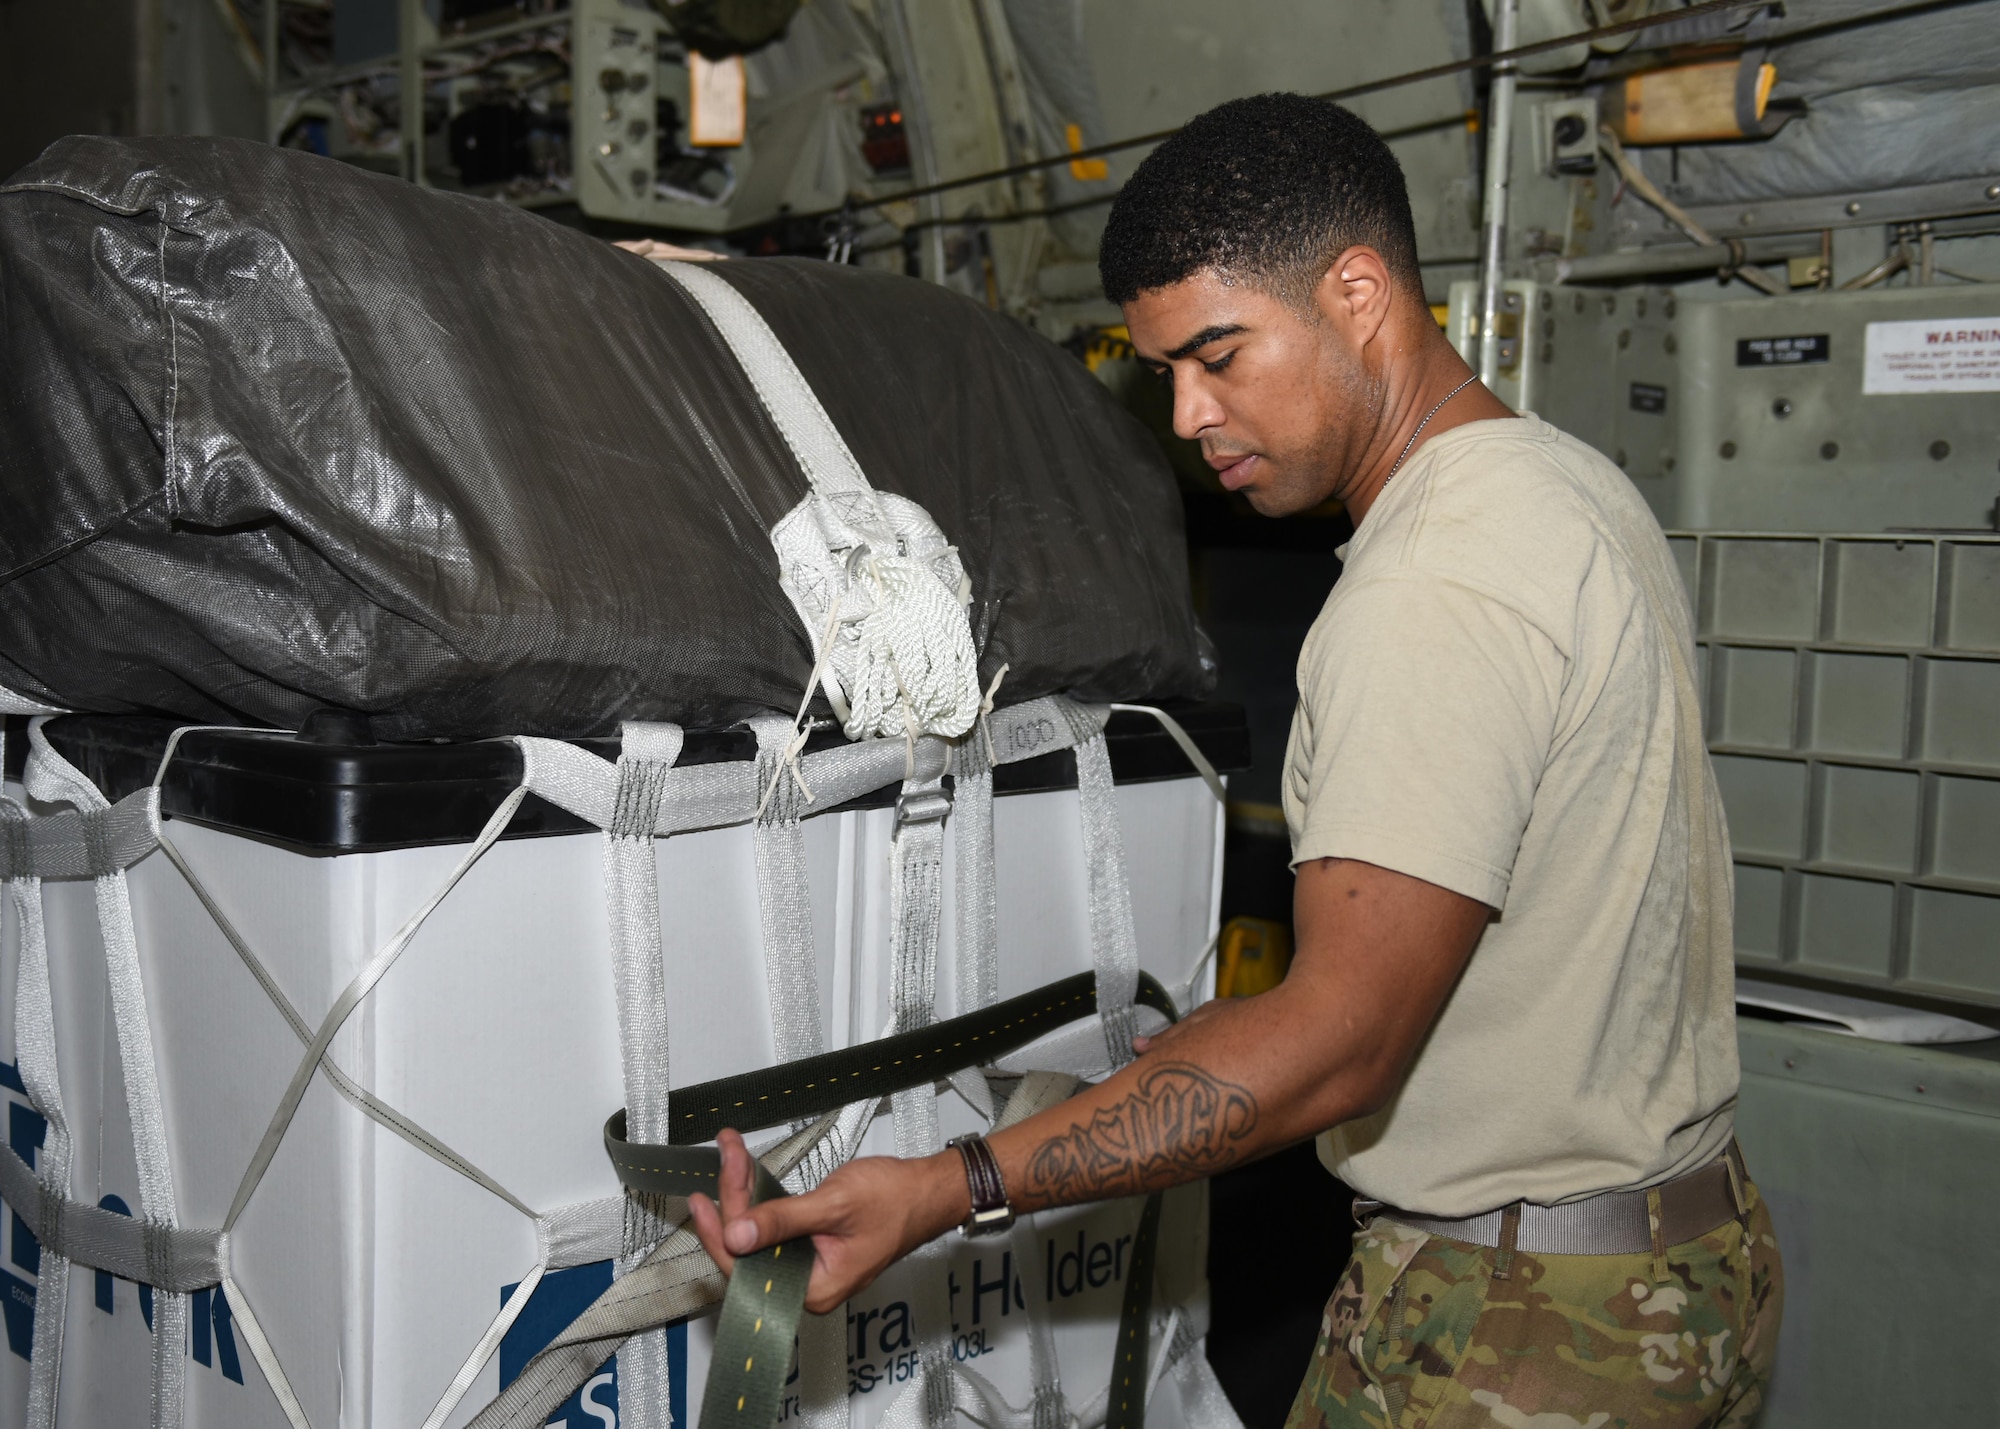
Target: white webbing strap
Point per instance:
(916, 861)
(351, 997)
(1004, 736)
(674, 1280)
(632, 889)
(35, 1059)
(12, 703)
(794, 408)
(76, 843)
(975, 891)
(632, 885)
(172, 1259)
(52, 779)
(377, 1111)
(901, 650)
(567, 1236)
(791, 975)
(1114, 941)
(365, 1101)
(1049, 1408)
(784, 901)
(1203, 1404)
(261, 1351)
(1025, 731)
(1188, 747)
(978, 1400)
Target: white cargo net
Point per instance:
(98, 839)
(882, 595)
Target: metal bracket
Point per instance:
(1858, 210)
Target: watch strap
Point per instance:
(991, 1212)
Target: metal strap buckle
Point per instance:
(922, 806)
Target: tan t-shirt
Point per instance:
(1497, 699)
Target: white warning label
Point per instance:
(1933, 355)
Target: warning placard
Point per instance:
(1933, 355)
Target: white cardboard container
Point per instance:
(374, 1269)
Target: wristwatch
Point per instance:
(991, 1213)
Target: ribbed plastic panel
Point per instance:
(1853, 711)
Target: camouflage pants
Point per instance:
(1420, 1334)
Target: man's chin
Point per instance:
(1279, 500)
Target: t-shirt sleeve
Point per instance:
(1426, 714)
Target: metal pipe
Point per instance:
(1493, 211)
(1678, 258)
(411, 55)
(1888, 268)
(917, 128)
(271, 72)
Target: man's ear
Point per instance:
(1356, 293)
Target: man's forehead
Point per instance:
(1177, 319)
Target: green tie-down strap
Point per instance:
(794, 1091)
(766, 1296)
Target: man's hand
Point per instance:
(863, 1218)
(1379, 952)
(653, 248)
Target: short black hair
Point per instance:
(1269, 189)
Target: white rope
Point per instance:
(801, 730)
(913, 666)
(986, 711)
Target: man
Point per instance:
(1510, 1016)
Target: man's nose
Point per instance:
(1195, 408)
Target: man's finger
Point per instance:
(707, 1223)
(770, 1222)
(737, 1178)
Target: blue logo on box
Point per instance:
(558, 1300)
(211, 1335)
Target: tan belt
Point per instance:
(1613, 1223)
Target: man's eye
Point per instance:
(1219, 363)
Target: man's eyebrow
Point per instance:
(1204, 338)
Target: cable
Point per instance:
(1418, 76)
(1636, 180)
(1450, 67)
(1469, 119)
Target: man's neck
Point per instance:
(1435, 399)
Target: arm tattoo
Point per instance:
(1179, 1124)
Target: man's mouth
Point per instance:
(1235, 470)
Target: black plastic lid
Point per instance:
(318, 797)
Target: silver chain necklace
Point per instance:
(1419, 431)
